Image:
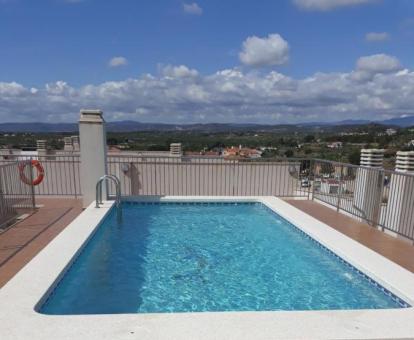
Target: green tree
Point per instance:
(354, 157)
(309, 138)
(289, 153)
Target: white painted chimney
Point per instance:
(41, 145)
(405, 162)
(92, 135)
(368, 184)
(372, 158)
(68, 144)
(75, 143)
(399, 212)
(176, 149)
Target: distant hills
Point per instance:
(130, 126)
(38, 127)
(401, 122)
(398, 122)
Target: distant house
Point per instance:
(250, 153)
(335, 145)
(331, 186)
(353, 133)
(267, 148)
(202, 153)
(211, 153)
(231, 152)
(390, 132)
(114, 148)
(193, 153)
(241, 152)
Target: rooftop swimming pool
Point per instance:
(199, 257)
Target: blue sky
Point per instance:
(56, 56)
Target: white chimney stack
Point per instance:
(41, 145)
(176, 149)
(405, 162)
(369, 183)
(75, 143)
(92, 134)
(400, 212)
(372, 158)
(68, 144)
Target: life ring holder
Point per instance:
(40, 172)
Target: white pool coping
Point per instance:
(18, 298)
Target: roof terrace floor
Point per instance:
(24, 240)
(395, 249)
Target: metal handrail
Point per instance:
(117, 183)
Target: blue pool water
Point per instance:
(208, 257)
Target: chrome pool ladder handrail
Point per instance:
(117, 183)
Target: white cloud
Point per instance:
(181, 94)
(117, 61)
(369, 66)
(178, 71)
(377, 36)
(192, 8)
(327, 5)
(272, 50)
(378, 63)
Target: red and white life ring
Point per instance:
(40, 172)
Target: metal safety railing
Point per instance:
(61, 173)
(15, 196)
(383, 198)
(209, 176)
(166, 175)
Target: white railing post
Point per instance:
(92, 135)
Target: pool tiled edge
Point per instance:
(375, 284)
(30, 284)
(386, 273)
(401, 302)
